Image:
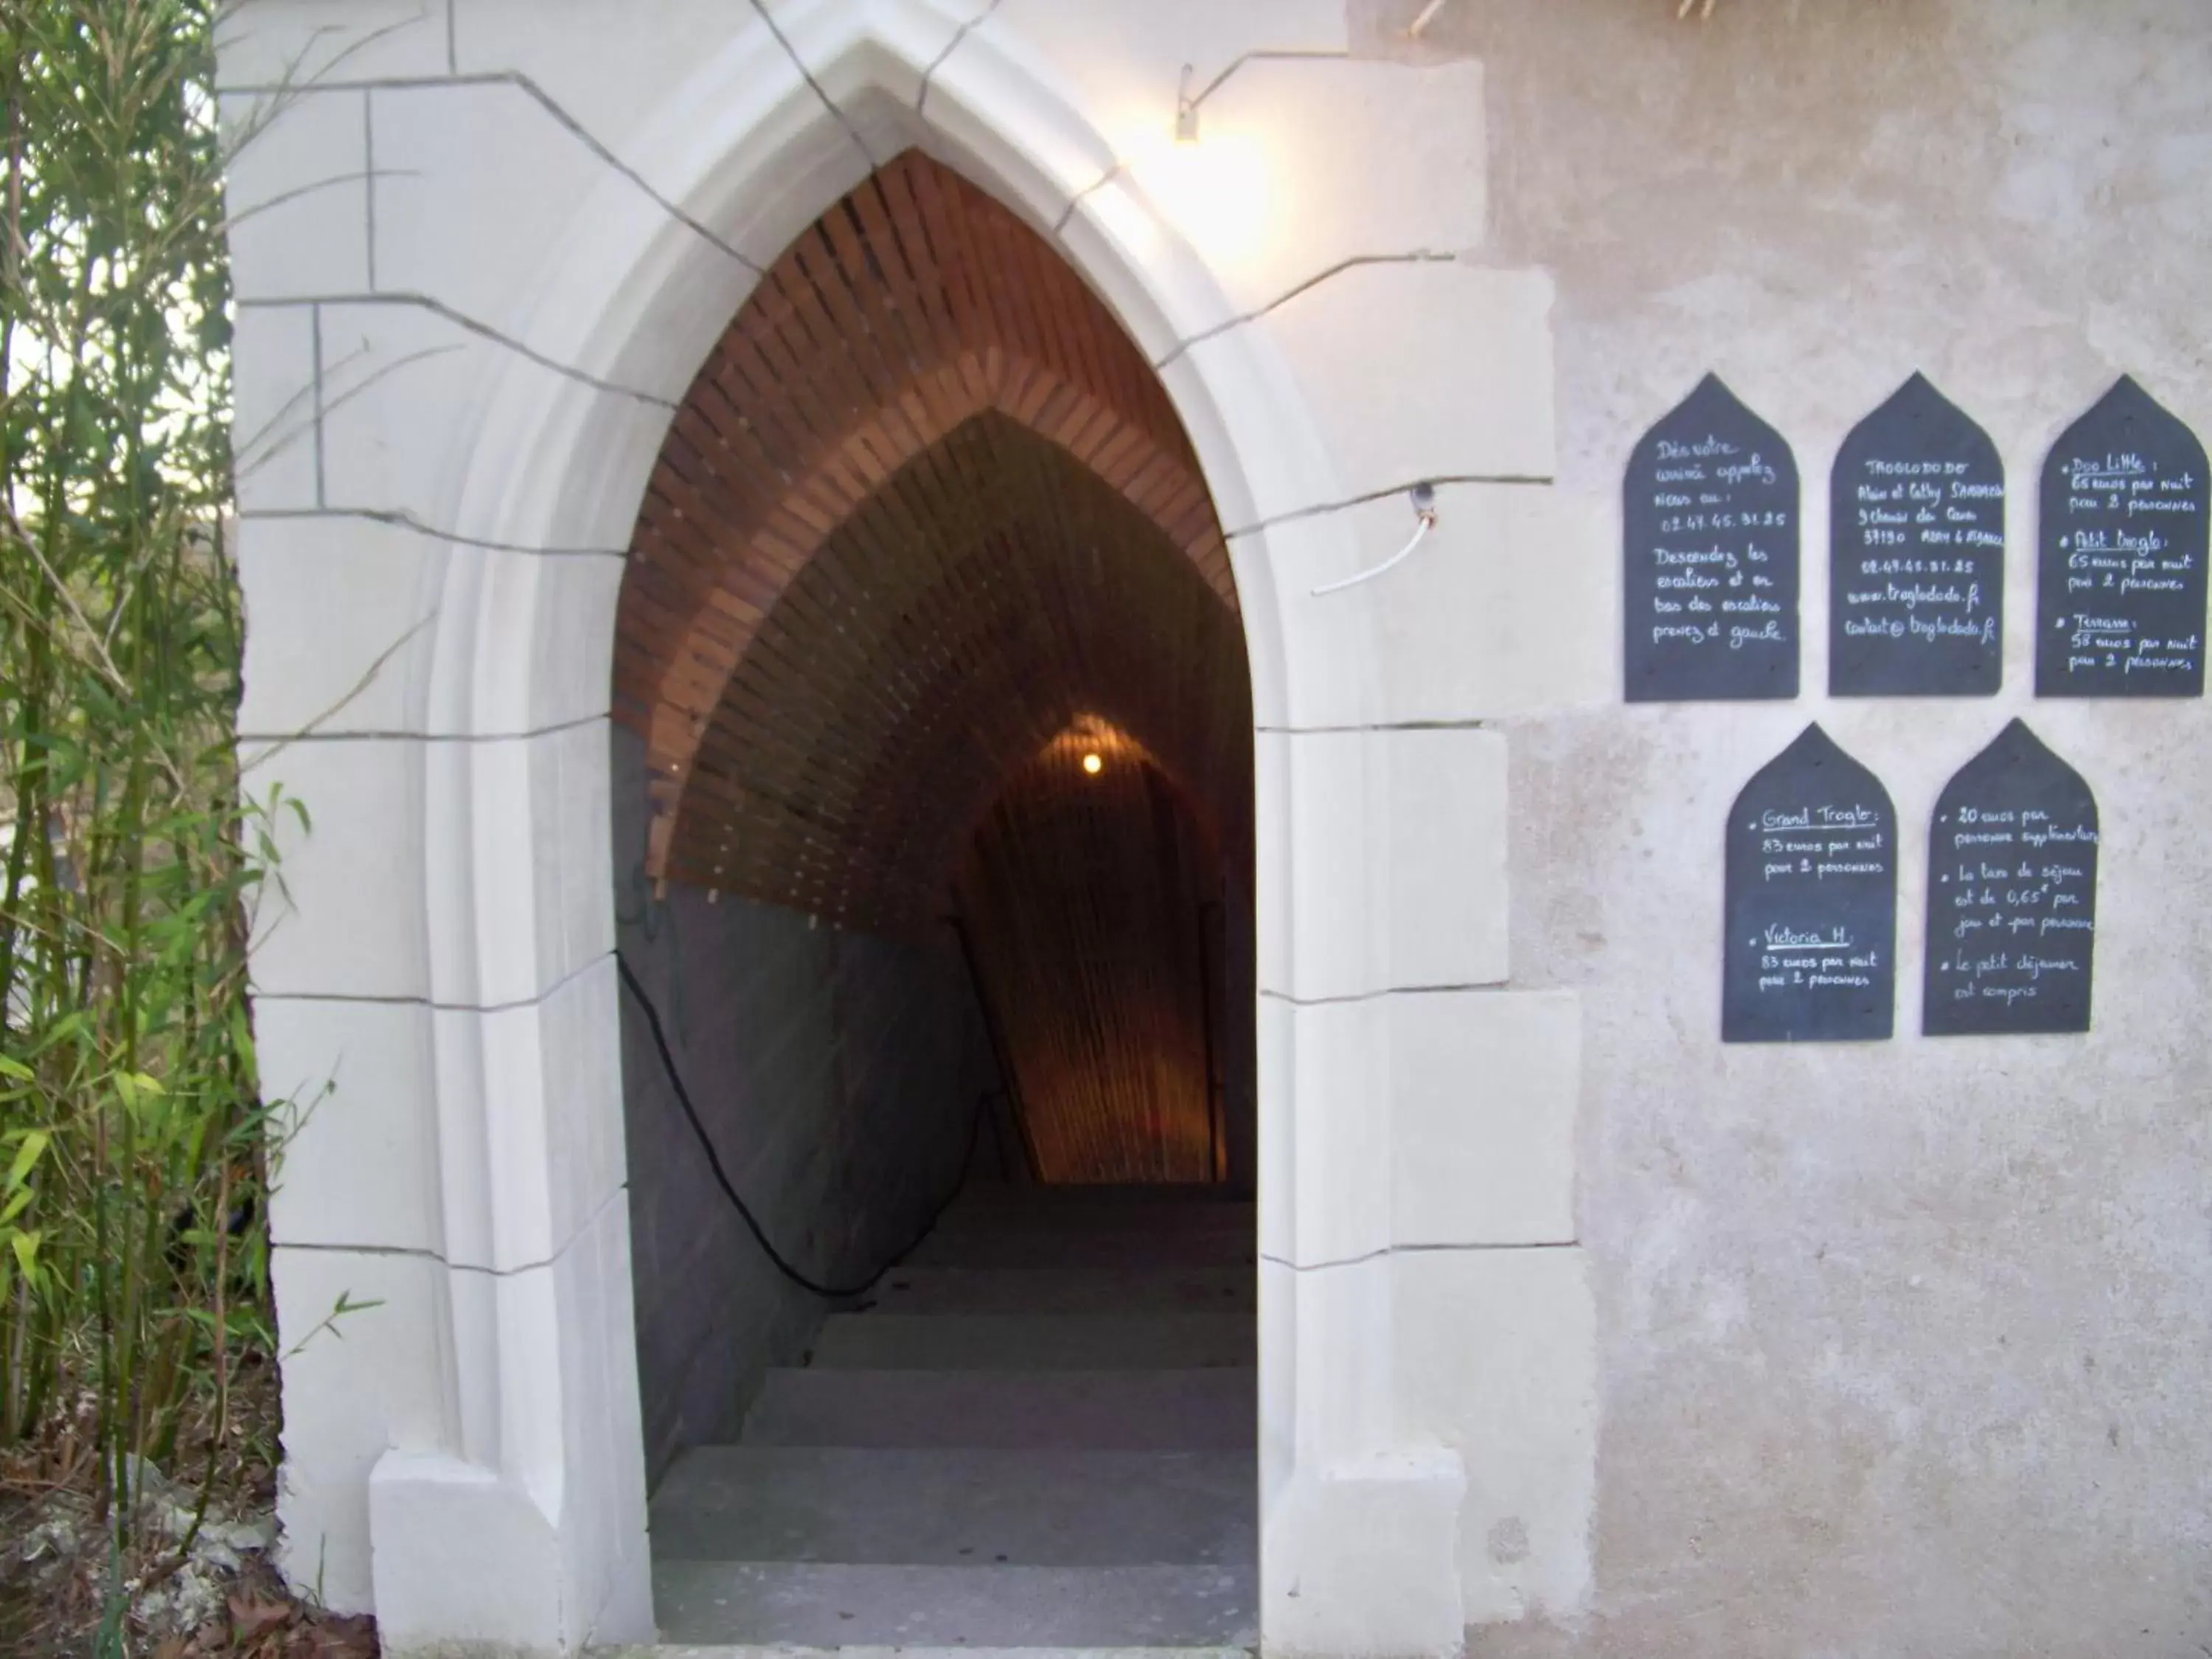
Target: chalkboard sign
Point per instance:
(2012, 894)
(1709, 513)
(1811, 911)
(1916, 566)
(2120, 610)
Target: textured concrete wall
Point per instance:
(1902, 1345)
(838, 1073)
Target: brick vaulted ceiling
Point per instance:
(924, 506)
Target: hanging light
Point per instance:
(1093, 763)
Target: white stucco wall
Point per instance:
(1899, 1341)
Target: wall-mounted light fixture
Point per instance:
(1186, 127)
(1093, 763)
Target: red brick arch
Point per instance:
(914, 308)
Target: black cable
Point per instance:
(829, 1292)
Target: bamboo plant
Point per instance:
(133, 1241)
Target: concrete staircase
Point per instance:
(1037, 1433)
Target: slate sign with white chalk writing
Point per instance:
(1916, 566)
(1811, 905)
(2120, 563)
(2012, 894)
(1709, 514)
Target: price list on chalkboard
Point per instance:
(2012, 894)
(1810, 915)
(1916, 572)
(1709, 579)
(2120, 563)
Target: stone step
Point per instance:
(1021, 1342)
(1194, 1228)
(682, 1650)
(1078, 1247)
(967, 1508)
(1103, 1192)
(935, 1612)
(1104, 1411)
(1068, 1290)
(1118, 1216)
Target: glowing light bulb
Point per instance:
(1216, 191)
(1093, 764)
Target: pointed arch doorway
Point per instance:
(933, 780)
(527, 1447)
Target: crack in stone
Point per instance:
(1415, 1249)
(1288, 1000)
(1419, 256)
(286, 739)
(416, 1253)
(438, 308)
(1085, 193)
(398, 519)
(937, 63)
(807, 75)
(515, 78)
(402, 1001)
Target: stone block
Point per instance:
(400, 384)
(786, 167)
(603, 1491)
(608, 69)
(1358, 1558)
(341, 914)
(339, 614)
(467, 1562)
(554, 1145)
(1429, 369)
(397, 381)
(1508, 607)
(271, 43)
(1394, 843)
(1497, 1357)
(1115, 236)
(275, 415)
(1122, 67)
(476, 182)
(555, 1538)
(1239, 405)
(355, 1384)
(1278, 1378)
(563, 605)
(296, 193)
(1272, 197)
(647, 321)
(1420, 1118)
(539, 871)
(884, 59)
(1483, 1091)
(1325, 1141)
(357, 1165)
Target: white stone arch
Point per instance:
(533, 1474)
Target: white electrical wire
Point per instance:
(1428, 523)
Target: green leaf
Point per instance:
(34, 1145)
(136, 1088)
(11, 1067)
(26, 1253)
